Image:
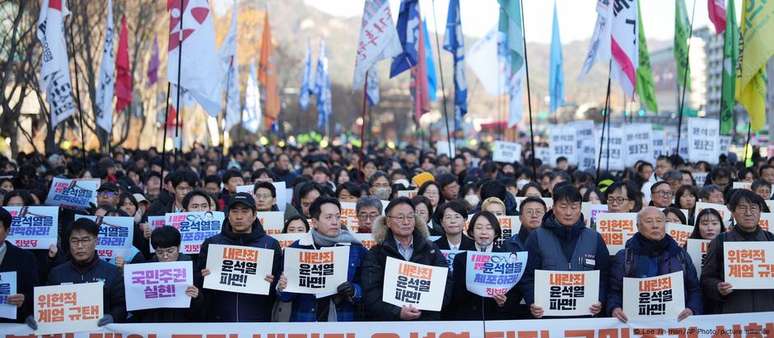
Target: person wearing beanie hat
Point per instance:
(421, 178)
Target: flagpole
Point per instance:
(685, 79)
(529, 96)
(164, 139)
(604, 121)
(362, 126)
(747, 143)
(178, 131)
(77, 98)
(449, 138)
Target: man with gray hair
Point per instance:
(367, 209)
(674, 178)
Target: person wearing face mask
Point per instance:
(452, 217)
(746, 209)
(650, 253)
(379, 186)
(471, 197)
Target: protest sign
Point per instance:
(658, 298)
(195, 227)
(742, 185)
(239, 269)
(638, 143)
(616, 229)
(658, 139)
(543, 154)
(285, 240)
(68, 307)
(749, 265)
(615, 141)
(510, 225)
(591, 212)
(703, 140)
(767, 218)
(280, 199)
(699, 177)
(272, 221)
(449, 256)
(74, 193)
(492, 273)
(506, 152)
(679, 232)
(366, 239)
(407, 193)
(157, 285)
(421, 286)
(725, 214)
(697, 249)
(586, 144)
(562, 143)
(725, 142)
(33, 227)
(7, 288)
(156, 222)
(317, 272)
(115, 236)
(349, 216)
(566, 293)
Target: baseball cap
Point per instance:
(108, 187)
(242, 198)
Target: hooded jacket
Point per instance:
(372, 273)
(222, 306)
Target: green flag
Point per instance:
(645, 88)
(509, 24)
(730, 56)
(682, 32)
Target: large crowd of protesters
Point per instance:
(139, 184)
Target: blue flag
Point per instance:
(431, 76)
(408, 33)
(555, 72)
(455, 44)
(305, 90)
(322, 88)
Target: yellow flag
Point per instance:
(757, 29)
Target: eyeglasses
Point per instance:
(403, 218)
(533, 212)
(617, 200)
(108, 194)
(167, 252)
(76, 242)
(367, 216)
(664, 193)
(745, 209)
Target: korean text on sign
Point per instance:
(72, 193)
(7, 288)
(195, 227)
(657, 298)
(489, 274)
(697, 249)
(238, 269)
(616, 229)
(68, 308)
(418, 285)
(115, 236)
(33, 227)
(566, 293)
(157, 285)
(749, 265)
(317, 272)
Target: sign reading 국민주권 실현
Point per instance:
(418, 285)
(654, 298)
(33, 227)
(238, 268)
(492, 273)
(616, 229)
(157, 285)
(68, 307)
(749, 265)
(74, 193)
(566, 293)
(195, 227)
(317, 272)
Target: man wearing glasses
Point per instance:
(107, 196)
(367, 209)
(400, 235)
(661, 194)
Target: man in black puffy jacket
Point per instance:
(23, 263)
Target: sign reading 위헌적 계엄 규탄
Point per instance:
(616, 228)
(68, 307)
(749, 265)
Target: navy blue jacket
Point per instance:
(23, 262)
(222, 306)
(95, 271)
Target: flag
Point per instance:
(107, 77)
(728, 77)
(512, 47)
(645, 88)
(304, 91)
(153, 64)
(555, 72)
(378, 40)
(193, 47)
(431, 76)
(487, 62)
(599, 47)
(717, 14)
(123, 70)
(322, 88)
(54, 70)
(419, 81)
(408, 33)
(372, 86)
(623, 45)
(231, 73)
(757, 30)
(682, 33)
(454, 42)
(267, 75)
(252, 112)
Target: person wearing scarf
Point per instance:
(650, 253)
(327, 232)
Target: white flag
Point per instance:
(107, 76)
(623, 45)
(516, 88)
(482, 58)
(599, 47)
(378, 39)
(201, 67)
(54, 71)
(231, 70)
(252, 112)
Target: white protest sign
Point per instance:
(725, 214)
(285, 240)
(442, 148)
(7, 288)
(115, 236)
(562, 143)
(679, 232)
(33, 227)
(407, 193)
(280, 193)
(591, 212)
(697, 249)
(157, 285)
(657, 298)
(195, 227)
(616, 229)
(639, 143)
(725, 142)
(239, 269)
(317, 272)
(349, 216)
(614, 158)
(509, 225)
(421, 286)
(366, 239)
(75, 193)
(543, 154)
(506, 152)
(68, 307)
(749, 265)
(742, 185)
(767, 218)
(700, 178)
(586, 144)
(659, 143)
(566, 293)
(703, 140)
(272, 221)
(492, 273)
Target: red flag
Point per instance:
(419, 75)
(123, 70)
(717, 14)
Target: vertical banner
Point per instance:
(195, 227)
(679, 232)
(115, 236)
(703, 140)
(7, 288)
(749, 265)
(68, 307)
(238, 269)
(616, 229)
(725, 214)
(33, 227)
(74, 193)
(506, 152)
(157, 285)
(317, 272)
(272, 221)
(419, 285)
(657, 298)
(566, 293)
(697, 249)
(562, 143)
(490, 273)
